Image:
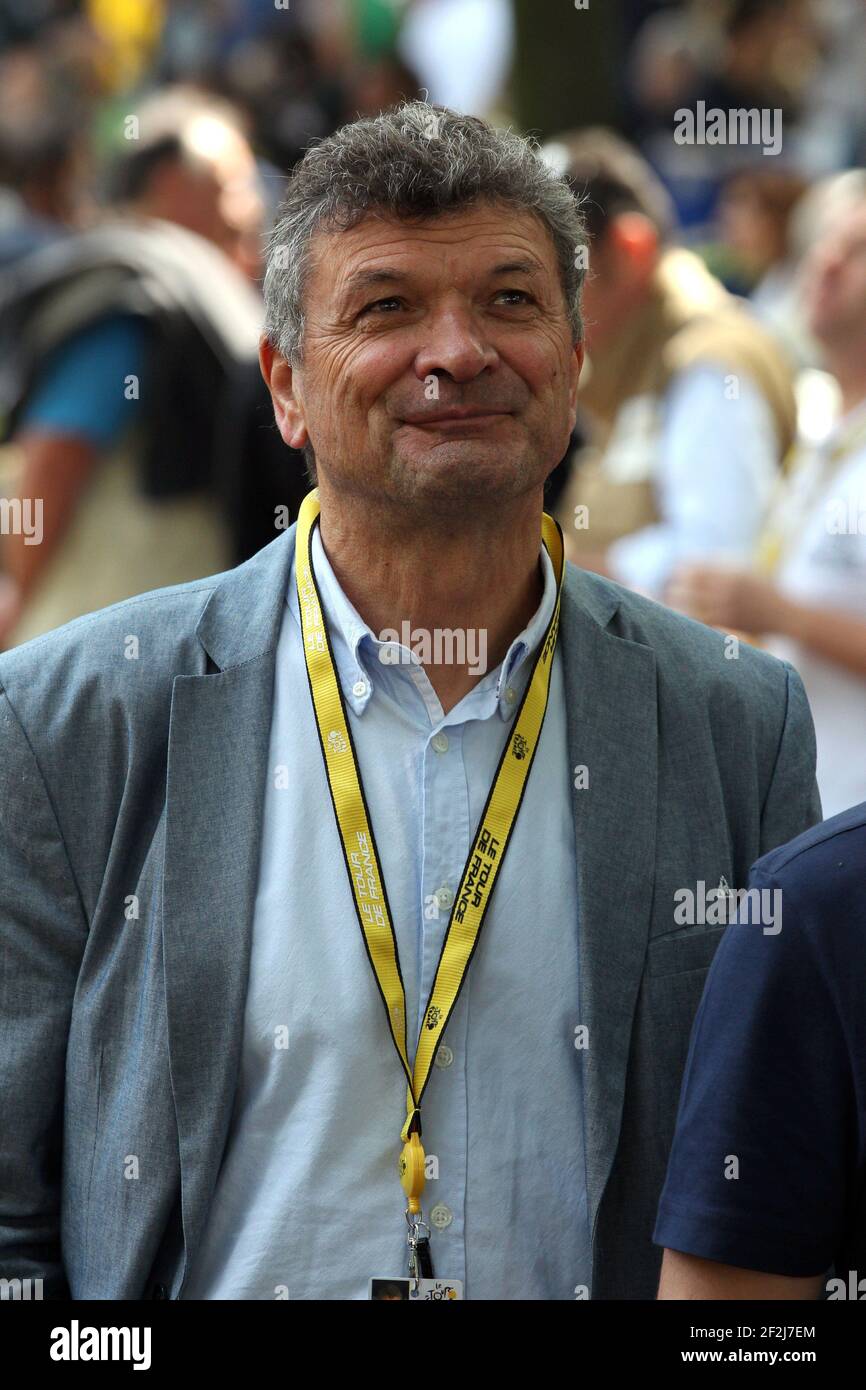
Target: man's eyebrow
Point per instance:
(366, 279)
(384, 275)
(516, 268)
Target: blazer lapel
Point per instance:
(611, 698)
(217, 766)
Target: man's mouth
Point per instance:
(458, 419)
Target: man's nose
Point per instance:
(454, 342)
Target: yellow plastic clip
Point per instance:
(411, 1166)
(413, 1121)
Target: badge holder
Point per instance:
(413, 1177)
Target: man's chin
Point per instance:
(463, 451)
(445, 480)
(460, 468)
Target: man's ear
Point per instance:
(279, 379)
(636, 241)
(575, 363)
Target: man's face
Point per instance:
(834, 279)
(438, 361)
(622, 261)
(215, 193)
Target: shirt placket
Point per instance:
(446, 833)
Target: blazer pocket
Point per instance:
(691, 949)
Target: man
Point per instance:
(689, 402)
(42, 154)
(128, 347)
(247, 885)
(766, 1190)
(805, 593)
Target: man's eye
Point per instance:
(377, 304)
(519, 295)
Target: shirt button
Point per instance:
(441, 1216)
(359, 688)
(444, 897)
(440, 743)
(444, 1056)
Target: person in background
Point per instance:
(43, 155)
(130, 341)
(690, 401)
(190, 163)
(765, 1195)
(729, 55)
(756, 257)
(831, 133)
(805, 595)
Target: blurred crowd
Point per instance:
(719, 461)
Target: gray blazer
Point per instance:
(133, 750)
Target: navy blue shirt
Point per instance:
(768, 1161)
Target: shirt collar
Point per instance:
(356, 647)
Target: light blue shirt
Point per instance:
(308, 1203)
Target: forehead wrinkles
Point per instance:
(423, 250)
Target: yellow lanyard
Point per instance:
(359, 846)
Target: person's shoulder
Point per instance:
(119, 663)
(818, 877)
(152, 634)
(828, 861)
(91, 701)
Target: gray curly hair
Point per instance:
(412, 161)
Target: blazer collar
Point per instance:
(242, 618)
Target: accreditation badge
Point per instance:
(414, 1290)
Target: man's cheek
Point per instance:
(542, 366)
